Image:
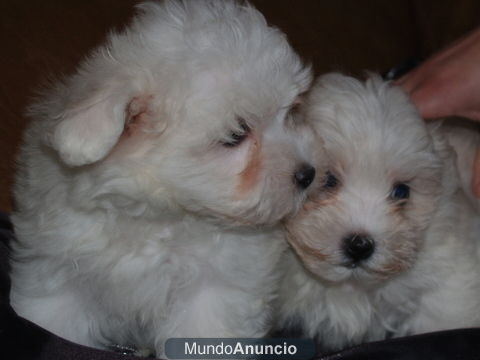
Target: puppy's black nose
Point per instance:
(358, 247)
(304, 176)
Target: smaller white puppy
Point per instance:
(387, 246)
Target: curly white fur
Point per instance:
(424, 273)
(136, 221)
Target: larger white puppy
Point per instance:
(388, 245)
(152, 180)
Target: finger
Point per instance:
(471, 114)
(408, 81)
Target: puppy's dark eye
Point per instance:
(331, 181)
(400, 192)
(236, 138)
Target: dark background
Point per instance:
(39, 38)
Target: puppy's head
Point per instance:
(192, 108)
(368, 216)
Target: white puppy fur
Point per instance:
(414, 265)
(153, 180)
(464, 137)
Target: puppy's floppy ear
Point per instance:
(90, 124)
(87, 132)
(440, 144)
(443, 149)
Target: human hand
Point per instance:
(448, 84)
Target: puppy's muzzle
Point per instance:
(358, 247)
(304, 176)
